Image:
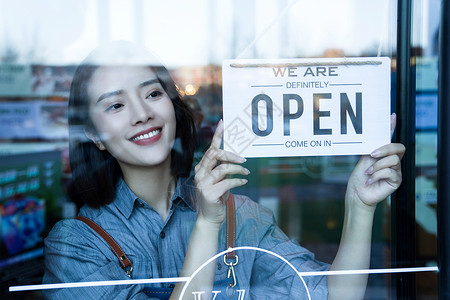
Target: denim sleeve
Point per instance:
(283, 280)
(272, 278)
(74, 253)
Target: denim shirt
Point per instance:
(75, 253)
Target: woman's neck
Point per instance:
(155, 185)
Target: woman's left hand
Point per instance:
(212, 178)
(378, 175)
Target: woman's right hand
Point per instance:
(211, 178)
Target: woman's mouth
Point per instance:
(144, 138)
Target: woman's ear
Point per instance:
(95, 139)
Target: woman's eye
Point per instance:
(114, 107)
(154, 94)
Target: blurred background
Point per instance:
(41, 42)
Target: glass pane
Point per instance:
(425, 46)
(42, 46)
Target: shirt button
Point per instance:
(162, 234)
(171, 286)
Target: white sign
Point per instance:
(306, 107)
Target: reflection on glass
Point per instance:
(38, 60)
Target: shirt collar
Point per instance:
(185, 191)
(125, 198)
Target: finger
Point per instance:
(217, 138)
(220, 189)
(207, 163)
(389, 149)
(392, 161)
(391, 176)
(224, 170)
(213, 156)
(225, 185)
(230, 157)
(393, 123)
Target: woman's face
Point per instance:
(133, 116)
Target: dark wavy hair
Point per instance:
(95, 173)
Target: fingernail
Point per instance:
(375, 153)
(393, 118)
(242, 159)
(369, 170)
(369, 181)
(247, 171)
(244, 181)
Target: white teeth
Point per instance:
(147, 135)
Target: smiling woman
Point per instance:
(104, 99)
(135, 122)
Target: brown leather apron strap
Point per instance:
(231, 259)
(124, 261)
(231, 226)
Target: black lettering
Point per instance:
(319, 113)
(321, 70)
(355, 118)
(287, 116)
(255, 112)
(332, 71)
(291, 72)
(308, 72)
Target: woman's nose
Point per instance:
(140, 111)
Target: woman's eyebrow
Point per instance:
(148, 82)
(109, 94)
(120, 92)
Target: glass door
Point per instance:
(41, 47)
